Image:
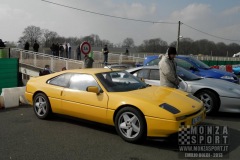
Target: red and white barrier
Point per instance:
(228, 68)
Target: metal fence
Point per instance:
(39, 60)
(216, 58)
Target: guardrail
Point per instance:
(56, 63)
(216, 58)
(39, 60)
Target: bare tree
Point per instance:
(156, 45)
(31, 33)
(128, 42)
(49, 37)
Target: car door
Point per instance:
(145, 74)
(154, 77)
(77, 102)
(55, 89)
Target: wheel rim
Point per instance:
(129, 125)
(207, 101)
(40, 106)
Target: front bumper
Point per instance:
(157, 127)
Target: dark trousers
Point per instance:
(105, 59)
(78, 56)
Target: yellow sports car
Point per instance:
(117, 98)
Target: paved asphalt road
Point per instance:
(24, 137)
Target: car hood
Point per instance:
(222, 87)
(157, 95)
(214, 73)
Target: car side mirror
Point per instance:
(142, 79)
(193, 68)
(93, 89)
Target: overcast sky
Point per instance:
(217, 17)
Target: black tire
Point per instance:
(41, 106)
(209, 98)
(135, 126)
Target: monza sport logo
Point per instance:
(203, 141)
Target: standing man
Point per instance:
(88, 61)
(57, 50)
(2, 45)
(66, 49)
(53, 49)
(168, 69)
(127, 52)
(61, 50)
(26, 46)
(69, 50)
(35, 46)
(105, 53)
(78, 50)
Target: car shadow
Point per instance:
(160, 143)
(233, 135)
(169, 143)
(15, 108)
(225, 116)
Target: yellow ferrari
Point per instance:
(116, 98)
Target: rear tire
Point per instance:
(41, 106)
(210, 100)
(131, 125)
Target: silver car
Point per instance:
(217, 95)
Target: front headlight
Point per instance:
(169, 108)
(227, 77)
(194, 98)
(180, 118)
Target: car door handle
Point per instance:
(61, 93)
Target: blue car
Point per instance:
(197, 67)
(236, 70)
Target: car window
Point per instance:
(186, 75)
(82, 81)
(144, 73)
(153, 62)
(183, 63)
(61, 80)
(154, 74)
(198, 63)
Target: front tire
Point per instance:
(210, 100)
(41, 106)
(131, 125)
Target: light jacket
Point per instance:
(168, 73)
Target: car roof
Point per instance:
(183, 56)
(91, 70)
(150, 67)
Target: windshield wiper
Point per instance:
(196, 79)
(145, 86)
(206, 68)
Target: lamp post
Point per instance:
(178, 36)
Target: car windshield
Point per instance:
(120, 81)
(199, 63)
(186, 75)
